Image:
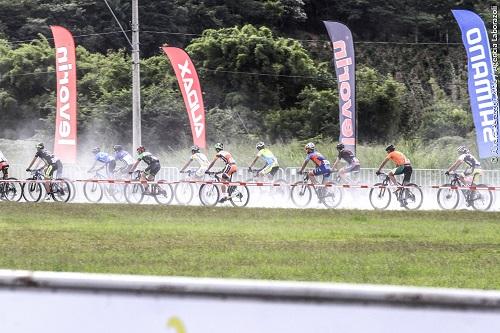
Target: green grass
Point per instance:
(444, 249)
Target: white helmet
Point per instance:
(310, 146)
(260, 145)
(463, 150)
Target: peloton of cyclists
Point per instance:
(473, 166)
(152, 169)
(350, 159)
(271, 165)
(229, 169)
(200, 158)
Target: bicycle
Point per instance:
(301, 193)
(59, 190)
(11, 191)
(184, 191)
(449, 197)
(94, 191)
(209, 194)
(410, 196)
(279, 189)
(135, 192)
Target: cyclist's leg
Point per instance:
(395, 172)
(5, 169)
(49, 172)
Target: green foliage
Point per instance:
(443, 118)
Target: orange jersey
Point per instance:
(398, 158)
(226, 157)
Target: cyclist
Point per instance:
(322, 164)
(124, 157)
(105, 159)
(271, 162)
(351, 160)
(229, 169)
(473, 165)
(51, 164)
(403, 165)
(153, 166)
(4, 165)
(199, 157)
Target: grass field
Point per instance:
(445, 249)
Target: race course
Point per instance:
(459, 249)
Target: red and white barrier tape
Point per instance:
(257, 184)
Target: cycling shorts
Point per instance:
(476, 173)
(269, 169)
(322, 170)
(51, 168)
(200, 173)
(406, 169)
(228, 171)
(152, 169)
(354, 167)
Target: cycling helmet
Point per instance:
(260, 145)
(310, 146)
(390, 148)
(195, 149)
(219, 146)
(117, 148)
(463, 150)
(141, 149)
(40, 146)
(340, 146)
(96, 150)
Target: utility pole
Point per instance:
(136, 78)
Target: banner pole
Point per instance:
(136, 79)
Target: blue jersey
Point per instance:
(103, 157)
(122, 155)
(317, 158)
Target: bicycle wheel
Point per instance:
(12, 191)
(301, 194)
(61, 191)
(482, 199)
(332, 197)
(184, 193)
(240, 195)
(209, 194)
(447, 197)
(163, 193)
(116, 191)
(134, 193)
(93, 191)
(32, 191)
(380, 197)
(73, 188)
(413, 197)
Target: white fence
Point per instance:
(73, 302)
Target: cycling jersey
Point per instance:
(125, 157)
(201, 159)
(226, 157)
(398, 158)
(46, 156)
(268, 157)
(318, 159)
(2, 157)
(470, 160)
(103, 157)
(148, 158)
(348, 156)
